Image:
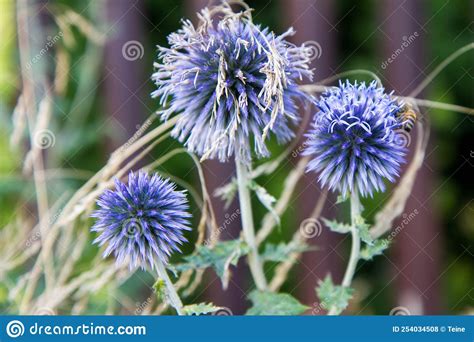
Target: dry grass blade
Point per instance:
(268, 222)
(440, 68)
(281, 272)
(395, 205)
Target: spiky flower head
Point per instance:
(142, 221)
(354, 142)
(232, 81)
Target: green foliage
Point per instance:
(265, 198)
(376, 248)
(337, 227)
(280, 252)
(227, 192)
(159, 287)
(269, 303)
(200, 309)
(333, 296)
(220, 257)
(364, 232)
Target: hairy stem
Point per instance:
(172, 295)
(355, 250)
(256, 267)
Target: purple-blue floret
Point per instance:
(142, 221)
(354, 142)
(232, 82)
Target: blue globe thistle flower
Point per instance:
(354, 141)
(233, 82)
(141, 221)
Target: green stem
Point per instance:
(173, 296)
(355, 250)
(255, 264)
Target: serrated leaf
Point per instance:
(333, 296)
(282, 251)
(375, 249)
(364, 232)
(220, 257)
(337, 227)
(200, 309)
(265, 198)
(227, 192)
(274, 304)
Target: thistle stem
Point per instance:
(255, 264)
(173, 296)
(355, 250)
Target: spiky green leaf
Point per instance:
(337, 227)
(333, 296)
(220, 257)
(377, 248)
(265, 198)
(281, 251)
(364, 232)
(227, 192)
(274, 304)
(200, 309)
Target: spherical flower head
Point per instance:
(142, 221)
(233, 83)
(354, 141)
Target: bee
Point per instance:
(407, 117)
